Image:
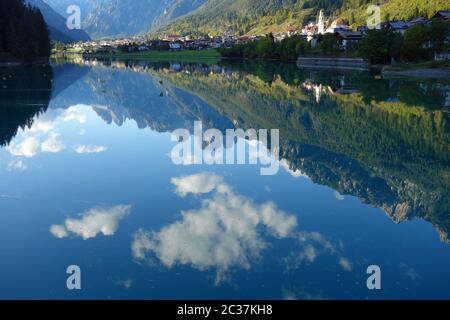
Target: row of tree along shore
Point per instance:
(419, 43)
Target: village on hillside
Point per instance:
(339, 27)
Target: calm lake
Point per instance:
(86, 179)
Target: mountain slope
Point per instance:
(116, 18)
(57, 24)
(257, 16)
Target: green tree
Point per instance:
(377, 46)
(328, 44)
(23, 31)
(414, 43)
(437, 34)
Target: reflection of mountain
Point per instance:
(385, 142)
(64, 75)
(24, 93)
(117, 95)
(375, 144)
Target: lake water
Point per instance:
(86, 179)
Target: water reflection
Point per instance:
(221, 234)
(24, 94)
(385, 142)
(91, 223)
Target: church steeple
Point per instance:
(321, 23)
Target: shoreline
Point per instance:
(432, 73)
(203, 56)
(20, 63)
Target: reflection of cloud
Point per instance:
(27, 148)
(92, 222)
(189, 159)
(59, 231)
(17, 164)
(314, 244)
(82, 149)
(338, 196)
(345, 264)
(295, 173)
(196, 184)
(42, 126)
(409, 272)
(302, 294)
(412, 274)
(127, 284)
(7, 196)
(74, 114)
(52, 144)
(223, 233)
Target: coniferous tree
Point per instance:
(23, 31)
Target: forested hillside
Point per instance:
(262, 16)
(23, 32)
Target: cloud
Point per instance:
(42, 126)
(83, 149)
(74, 114)
(338, 196)
(27, 148)
(313, 245)
(127, 284)
(302, 294)
(17, 164)
(345, 264)
(295, 173)
(92, 223)
(409, 272)
(224, 232)
(197, 184)
(59, 231)
(52, 144)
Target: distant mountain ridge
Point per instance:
(57, 24)
(122, 18)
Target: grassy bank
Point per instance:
(199, 56)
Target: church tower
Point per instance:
(321, 23)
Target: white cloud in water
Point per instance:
(74, 114)
(345, 264)
(295, 173)
(93, 222)
(313, 245)
(59, 231)
(17, 164)
(86, 149)
(42, 126)
(197, 184)
(223, 233)
(339, 196)
(52, 144)
(27, 148)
